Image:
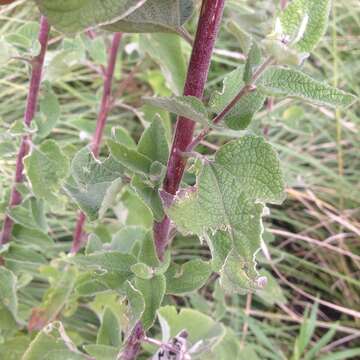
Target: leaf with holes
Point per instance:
(229, 195)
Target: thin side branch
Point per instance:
(246, 89)
(105, 107)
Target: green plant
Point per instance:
(123, 282)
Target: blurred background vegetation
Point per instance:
(313, 238)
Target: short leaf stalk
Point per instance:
(208, 27)
(105, 107)
(31, 105)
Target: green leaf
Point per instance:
(47, 167)
(202, 330)
(125, 239)
(25, 39)
(304, 22)
(6, 52)
(8, 296)
(241, 115)
(229, 195)
(153, 291)
(142, 271)
(13, 349)
(155, 16)
(55, 299)
(50, 109)
(95, 183)
(130, 158)
(182, 279)
(220, 246)
(52, 343)
(32, 238)
(135, 308)
(153, 143)
(122, 136)
(280, 81)
(72, 16)
(150, 195)
(31, 214)
(166, 50)
(271, 293)
(147, 253)
(93, 244)
(21, 259)
(111, 261)
(253, 59)
(189, 107)
(109, 332)
(102, 352)
(245, 39)
(137, 212)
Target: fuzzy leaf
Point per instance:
(72, 16)
(153, 143)
(188, 277)
(102, 352)
(305, 21)
(166, 50)
(109, 332)
(142, 271)
(189, 107)
(50, 111)
(244, 38)
(130, 158)
(135, 308)
(125, 239)
(8, 296)
(150, 196)
(52, 343)
(241, 115)
(6, 52)
(229, 195)
(153, 291)
(55, 299)
(47, 167)
(281, 81)
(155, 16)
(253, 59)
(111, 261)
(95, 183)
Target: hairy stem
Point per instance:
(30, 110)
(133, 344)
(207, 30)
(100, 126)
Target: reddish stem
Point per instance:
(207, 30)
(79, 235)
(283, 4)
(31, 105)
(133, 343)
